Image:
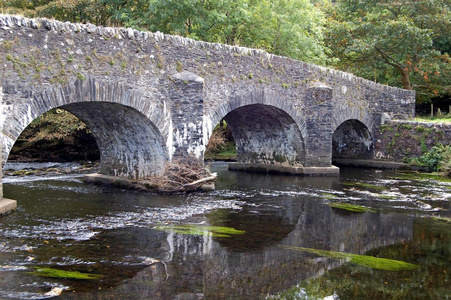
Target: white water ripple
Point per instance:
(79, 229)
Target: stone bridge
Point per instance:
(149, 97)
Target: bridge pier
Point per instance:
(318, 137)
(6, 205)
(187, 111)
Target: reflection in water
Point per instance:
(67, 225)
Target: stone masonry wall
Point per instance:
(399, 140)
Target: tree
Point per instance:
(285, 27)
(76, 11)
(292, 28)
(401, 43)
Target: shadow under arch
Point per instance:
(352, 140)
(265, 134)
(55, 136)
(130, 145)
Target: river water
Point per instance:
(130, 243)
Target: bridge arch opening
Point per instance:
(55, 136)
(130, 145)
(352, 140)
(265, 134)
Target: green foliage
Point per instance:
(290, 28)
(226, 152)
(445, 163)
(436, 159)
(56, 123)
(81, 11)
(399, 43)
(221, 145)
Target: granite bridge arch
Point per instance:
(150, 97)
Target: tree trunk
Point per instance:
(398, 65)
(405, 79)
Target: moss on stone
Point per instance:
(160, 61)
(419, 128)
(81, 76)
(9, 44)
(383, 128)
(179, 66)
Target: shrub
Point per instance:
(445, 163)
(436, 159)
(217, 141)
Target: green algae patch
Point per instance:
(386, 197)
(418, 176)
(366, 185)
(384, 264)
(329, 196)
(442, 219)
(55, 273)
(193, 229)
(351, 207)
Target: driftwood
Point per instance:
(201, 181)
(183, 175)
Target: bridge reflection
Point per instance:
(255, 265)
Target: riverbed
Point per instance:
(255, 237)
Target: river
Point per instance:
(254, 237)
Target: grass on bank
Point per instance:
(438, 117)
(227, 152)
(433, 119)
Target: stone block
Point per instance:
(7, 206)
